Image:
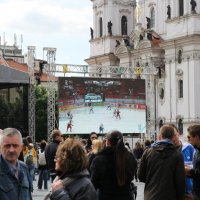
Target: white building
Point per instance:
(167, 49)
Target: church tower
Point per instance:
(113, 20)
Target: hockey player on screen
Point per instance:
(117, 115)
(69, 125)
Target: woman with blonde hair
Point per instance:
(73, 180)
(97, 146)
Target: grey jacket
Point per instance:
(80, 188)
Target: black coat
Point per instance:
(50, 153)
(104, 178)
(162, 170)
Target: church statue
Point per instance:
(148, 22)
(110, 28)
(168, 12)
(193, 6)
(91, 33)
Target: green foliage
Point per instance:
(40, 113)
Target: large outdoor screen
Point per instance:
(101, 104)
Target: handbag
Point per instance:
(133, 191)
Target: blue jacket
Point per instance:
(188, 154)
(12, 188)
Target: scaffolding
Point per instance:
(147, 69)
(51, 89)
(148, 72)
(31, 91)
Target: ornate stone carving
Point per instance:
(98, 3)
(179, 72)
(125, 2)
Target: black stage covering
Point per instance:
(12, 78)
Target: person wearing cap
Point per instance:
(14, 177)
(50, 152)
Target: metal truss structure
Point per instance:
(51, 89)
(31, 91)
(147, 69)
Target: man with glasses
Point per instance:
(50, 152)
(14, 178)
(194, 139)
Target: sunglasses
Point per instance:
(94, 137)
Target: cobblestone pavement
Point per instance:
(40, 194)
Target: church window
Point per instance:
(100, 27)
(180, 88)
(152, 18)
(181, 7)
(124, 25)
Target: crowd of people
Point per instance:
(101, 168)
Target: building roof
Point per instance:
(9, 65)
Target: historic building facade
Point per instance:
(162, 39)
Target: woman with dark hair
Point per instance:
(113, 168)
(73, 180)
(92, 136)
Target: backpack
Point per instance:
(41, 158)
(29, 159)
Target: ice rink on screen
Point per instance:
(85, 121)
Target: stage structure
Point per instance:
(50, 69)
(143, 70)
(147, 69)
(31, 91)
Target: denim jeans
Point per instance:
(31, 169)
(43, 176)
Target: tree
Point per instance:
(40, 113)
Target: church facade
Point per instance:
(162, 40)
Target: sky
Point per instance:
(61, 24)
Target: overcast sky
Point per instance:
(62, 24)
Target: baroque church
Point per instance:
(156, 40)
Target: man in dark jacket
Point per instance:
(162, 169)
(50, 152)
(15, 182)
(194, 139)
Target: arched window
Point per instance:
(181, 7)
(152, 24)
(180, 88)
(100, 26)
(124, 25)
